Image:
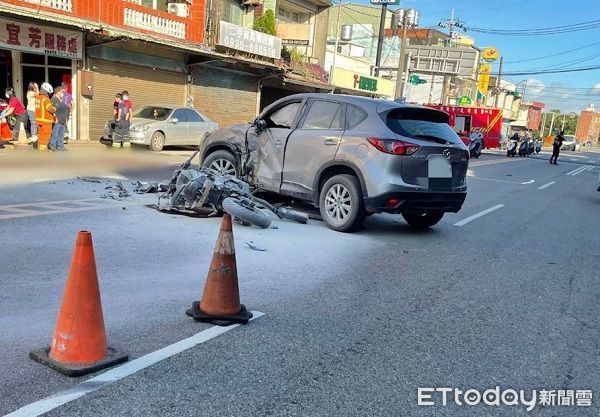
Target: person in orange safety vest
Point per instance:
(44, 115)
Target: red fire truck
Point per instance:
(467, 119)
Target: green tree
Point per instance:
(266, 23)
(570, 122)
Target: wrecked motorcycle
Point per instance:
(198, 190)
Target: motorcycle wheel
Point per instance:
(251, 215)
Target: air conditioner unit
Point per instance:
(179, 9)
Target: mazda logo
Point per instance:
(447, 153)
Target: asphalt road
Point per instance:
(354, 324)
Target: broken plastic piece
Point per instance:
(253, 246)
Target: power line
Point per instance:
(555, 71)
(592, 24)
(553, 55)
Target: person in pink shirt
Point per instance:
(16, 108)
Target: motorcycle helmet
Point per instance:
(9, 92)
(47, 88)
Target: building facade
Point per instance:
(163, 52)
(588, 126)
(529, 118)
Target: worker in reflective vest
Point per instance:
(44, 115)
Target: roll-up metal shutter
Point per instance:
(227, 97)
(146, 87)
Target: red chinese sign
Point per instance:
(31, 37)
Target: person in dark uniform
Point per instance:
(558, 141)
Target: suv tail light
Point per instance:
(394, 146)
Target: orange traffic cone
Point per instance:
(220, 303)
(79, 343)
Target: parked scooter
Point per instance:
(538, 146)
(475, 147)
(201, 190)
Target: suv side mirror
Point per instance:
(260, 124)
(174, 120)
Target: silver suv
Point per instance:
(349, 156)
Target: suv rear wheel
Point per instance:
(423, 219)
(223, 162)
(341, 203)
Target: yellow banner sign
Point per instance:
(484, 78)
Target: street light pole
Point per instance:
(543, 125)
(337, 42)
(400, 80)
(380, 39)
(405, 18)
(552, 123)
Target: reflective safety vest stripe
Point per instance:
(43, 109)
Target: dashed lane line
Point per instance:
(478, 215)
(93, 384)
(547, 185)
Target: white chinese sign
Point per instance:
(248, 40)
(31, 37)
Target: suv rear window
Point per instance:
(422, 124)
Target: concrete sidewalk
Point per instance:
(83, 159)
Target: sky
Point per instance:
(569, 92)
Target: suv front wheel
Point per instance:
(422, 219)
(222, 162)
(341, 203)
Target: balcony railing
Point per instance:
(129, 14)
(63, 5)
(147, 21)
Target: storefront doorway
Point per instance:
(42, 68)
(5, 70)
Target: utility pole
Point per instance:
(446, 90)
(498, 80)
(380, 39)
(405, 18)
(450, 24)
(337, 42)
(431, 89)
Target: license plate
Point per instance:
(439, 167)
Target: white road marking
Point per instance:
(587, 167)
(547, 185)
(579, 170)
(478, 215)
(17, 211)
(501, 161)
(50, 403)
(528, 182)
(48, 202)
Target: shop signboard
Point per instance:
(248, 40)
(39, 39)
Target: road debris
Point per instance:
(89, 180)
(253, 246)
(116, 191)
(148, 187)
